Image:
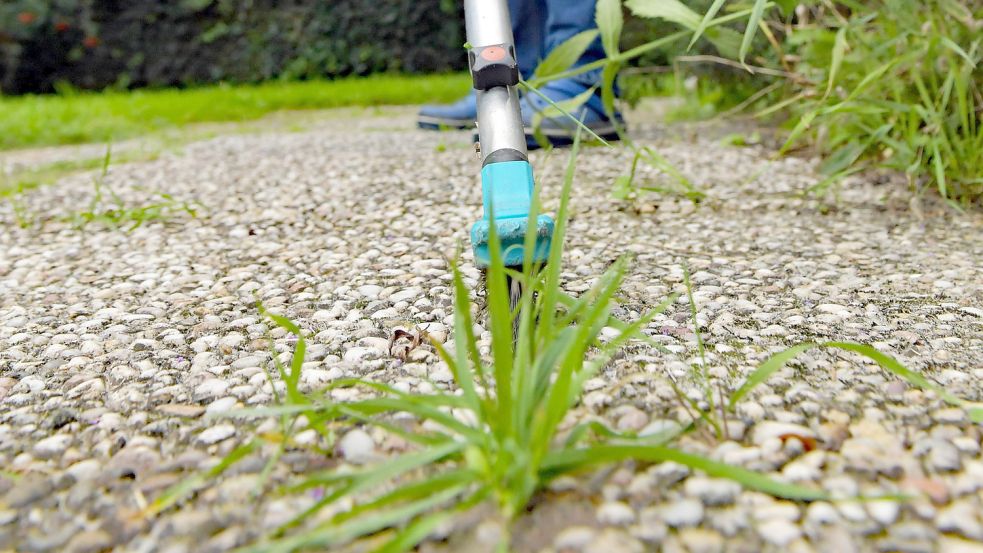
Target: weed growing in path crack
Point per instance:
(778, 360)
(499, 438)
(113, 211)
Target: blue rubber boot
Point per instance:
(529, 27)
(565, 19)
(559, 129)
(459, 115)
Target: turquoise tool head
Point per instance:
(507, 187)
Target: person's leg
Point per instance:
(566, 18)
(528, 28)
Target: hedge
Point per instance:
(93, 44)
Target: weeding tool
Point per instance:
(506, 175)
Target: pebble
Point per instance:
(944, 456)
(52, 446)
(779, 532)
(216, 434)
(357, 447)
(89, 541)
(574, 538)
(885, 512)
(685, 512)
(28, 489)
(960, 518)
(765, 431)
(611, 539)
(701, 540)
(615, 513)
(712, 491)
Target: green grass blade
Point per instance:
(610, 21)
(893, 365)
(757, 11)
(551, 284)
(565, 55)
(327, 535)
(563, 108)
(185, 487)
(500, 321)
(884, 360)
(948, 43)
(705, 22)
(766, 369)
(839, 51)
(670, 10)
(565, 461)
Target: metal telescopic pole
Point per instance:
(499, 119)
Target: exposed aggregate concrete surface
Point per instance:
(117, 347)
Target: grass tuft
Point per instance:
(82, 117)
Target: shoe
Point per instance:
(560, 129)
(459, 115)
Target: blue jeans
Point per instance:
(540, 26)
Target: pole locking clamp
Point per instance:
(493, 66)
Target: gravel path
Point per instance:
(114, 346)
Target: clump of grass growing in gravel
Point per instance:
(113, 212)
(709, 414)
(889, 84)
(500, 437)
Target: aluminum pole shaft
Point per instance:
(499, 119)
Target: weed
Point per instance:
(779, 360)
(890, 83)
(20, 182)
(500, 437)
(113, 211)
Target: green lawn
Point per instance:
(111, 116)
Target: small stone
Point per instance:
(52, 446)
(960, 518)
(774, 330)
(713, 491)
(210, 389)
(221, 405)
(822, 513)
(632, 420)
(29, 489)
(650, 528)
(370, 291)
(612, 539)
(89, 541)
(357, 447)
(358, 354)
(574, 538)
(8, 516)
(770, 430)
(779, 532)
(669, 472)
(181, 410)
(216, 434)
(615, 513)
(944, 456)
(701, 540)
(661, 427)
(682, 513)
(884, 512)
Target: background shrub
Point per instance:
(93, 44)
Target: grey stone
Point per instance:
(685, 512)
(357, 447)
